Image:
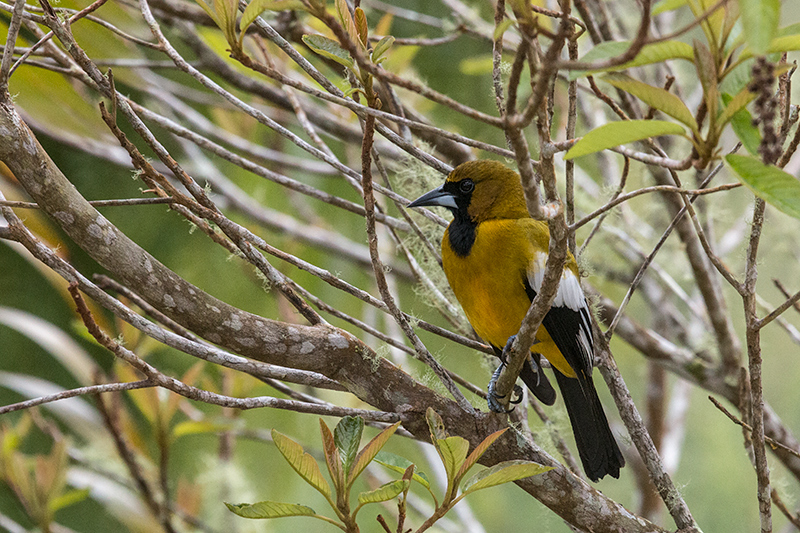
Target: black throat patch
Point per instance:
(462, 234)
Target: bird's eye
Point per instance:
(466, 186)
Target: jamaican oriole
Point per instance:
(494, 255)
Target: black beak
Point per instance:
(436, 197)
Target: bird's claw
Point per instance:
(493, 398)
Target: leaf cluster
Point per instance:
(346, 462)
(39, 481)
(734, 33)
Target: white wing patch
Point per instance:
(586, 342)
(569, 293)
(576, 324)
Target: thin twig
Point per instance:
(97, 203)
(94, 6)
(194, 393)
(379, 270)
(8, 51)
(80, 391)
(772, 442)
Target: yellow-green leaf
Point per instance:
(477, 65)
(453, 451)
(368, 453)
(305, 465)
(734, 104)
(400, 465)
(226, 11)
(760, 22)
(70, 497)
(332, 458)
(478, 452)
(504, 472)
(211, 13)
(361, 27)
(778, 188)
(649, 54)
(197, 427)
(347, 437)
(501, 28)
(662, 6)
(328, 48)
(383, 493)
(435, 424)
(655, 97)
(268, 509)
(346, 19)
(787, 43)
(616, 133)
(256, 7)
(742, 124)
(381, 48)
(707, 74)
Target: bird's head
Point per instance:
(479, 190)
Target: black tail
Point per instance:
(537, 382)
(597, 448)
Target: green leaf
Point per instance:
(305, 465)
(504, 472)
(332, 458)
(782, 41)
(453, 451)
(649, 54)
(476, 65)
(729, 21)
(361, 27)
(760, 22)
(268, 509)
(778, 188)
(381, 48)
(616, 133)
(478, 452)
(734, 104)
(658, 52)
(68, 498)
(347, 437)
(383, 493)
(655, 97)
(435, 424)
(667, 5)
(256, 7)
(707, 74)
(400, 465)
(346, 19)
(791, 29)
(328, 48)
(197, 427)
(787, 43)
(742, 124)
(368, 453)
(501, 28)
(211, 13)
(352, 90)
(712, 25)
(227, 10)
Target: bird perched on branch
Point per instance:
(494, 256)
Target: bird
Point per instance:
(494, 255)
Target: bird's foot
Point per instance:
(506, 349)
(493, 398)
(535, 366)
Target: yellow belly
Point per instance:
(489, 283)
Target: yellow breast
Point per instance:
(489, 282)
